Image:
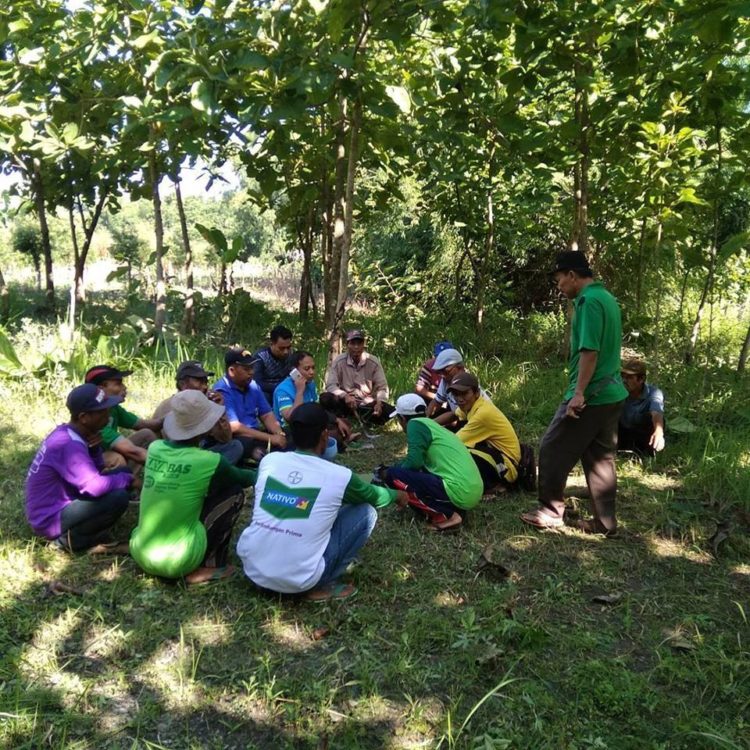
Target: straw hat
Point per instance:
(192, 414)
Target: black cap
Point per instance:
(99, 373)
(311, 414)
(355, 335)
(571, 260)
(464, 381)
(90, 397)
(192, 368)
(239, 357)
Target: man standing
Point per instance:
(585, 425)
(641, 426)
(68, 498)
(247, 407)
(191, 376)
(272, 363)
(357, 383)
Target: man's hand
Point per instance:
(216, 396)
(575, 406)
(402, 499)
(350, 401)
(279, 441)
(136, 483)
(344, 428)
(377, 409)
(656, 440)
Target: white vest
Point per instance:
(297, 499)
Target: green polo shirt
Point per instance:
(118, 417)
(597, 326)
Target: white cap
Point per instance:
(409, 405)
(446, 358)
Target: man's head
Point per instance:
(281, 342)
(192, 377)
(449, 363)
(309, 427)
(239, 366)
(633, 372)
(192, 415)
(441, 346)
(355, 343)
(465, 389)
(571, 272)
(89, 407)
(408, 406)
(109, 378)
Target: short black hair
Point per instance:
(298, 356)
(307, 423)
(280, 332)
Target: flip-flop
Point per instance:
(109, 548)
(336, 591)
(541, 520)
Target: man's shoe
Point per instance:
(594, 526)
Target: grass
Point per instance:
(432, 652)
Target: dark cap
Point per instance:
(634, 366)
(571, 260)
(311, 414)
(239, 357)
(99, 373)
(90, 397)
(192, 368)
(354, 334)
(464, 381)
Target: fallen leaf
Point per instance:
(676, 640)
(320, 633)
(493, 570)
(491, 654)
(58, 588)
(607, 598)
(720, 536)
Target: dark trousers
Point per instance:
(426, 492)
(339, 407)
(220, 511)
(635, 439)
(84, 520)
(592, 439)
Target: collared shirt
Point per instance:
(364, 380)
(245, 407)
(286, 393)
(636, 412)
(269, 371)
(427, 377)
(444, 396)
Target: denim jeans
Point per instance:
(84, 520)
(350, 531)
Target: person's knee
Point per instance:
(118, 501)
(114, 460)
(143, 438)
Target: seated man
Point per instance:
(272, 363)
(311, 517)
(641, 426)
(247, 407)
(438, 474)
(192, 377)
(448, 364)
(428, 380)
(487, 433)
(68, 498)
(117, 448)
(356, 383)
(190, 499)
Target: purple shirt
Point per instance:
(63, 470)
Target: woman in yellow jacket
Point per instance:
(487, 434)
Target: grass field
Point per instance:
(437, 649)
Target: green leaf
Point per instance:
(400, 96)
(9, 362)
(31, 56)
(681, 425)
(687, 195)
(735, 243)
(201, 97)
(144, 40)
(20, 25)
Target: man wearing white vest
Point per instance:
(311, 517)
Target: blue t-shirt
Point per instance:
(636, 412)
(285, 394)
(245, 406)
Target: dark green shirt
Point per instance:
(118, 417)
(597, 326)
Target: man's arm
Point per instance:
(418, 439)
(149, 424)
(358, 492)
(333, 381)
(225, 475)
(129, 450)
(656, 441)
(221, 431)
(379, 383)
(586, 367)
(78, 469)
(276, 434)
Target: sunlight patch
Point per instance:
(673, 548)
(207, 632)
(288, 634)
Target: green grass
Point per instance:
(431, 652)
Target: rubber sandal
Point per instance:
(337, 591)
(541, 520)
(109, 548)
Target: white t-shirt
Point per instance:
(297, 499)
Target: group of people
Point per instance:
(263, 424)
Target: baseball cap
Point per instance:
(90, 397)
(192, 368)
(464, 381)
(446, 358)
(634, 366)
(571, 260)
(441, 346)
(99, 373)
(191, 414)
(311, 414)
(354, 334)
(239, 357)
(409, 405)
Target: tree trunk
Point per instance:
(41, 212)
(744, 352)
(306, 240)
(481, 276)
(78, 288)
(88, 237)
(160, 311)
(223, 286)
(339, 221)
(683, 293)
(579, 236)
(188, 317)
(4, 298)
(639, 276)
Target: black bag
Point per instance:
(526, 469)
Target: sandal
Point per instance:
(594, 526)
(448, 526)
(337, 591)
(109, 548)
(541, 519)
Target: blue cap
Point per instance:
(441, 346)
(90, 397)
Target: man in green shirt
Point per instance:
(438, 474)
(585, 425)
(190, 498)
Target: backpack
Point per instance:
(526, 469)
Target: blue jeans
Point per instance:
(84, 520)
(350, 531)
